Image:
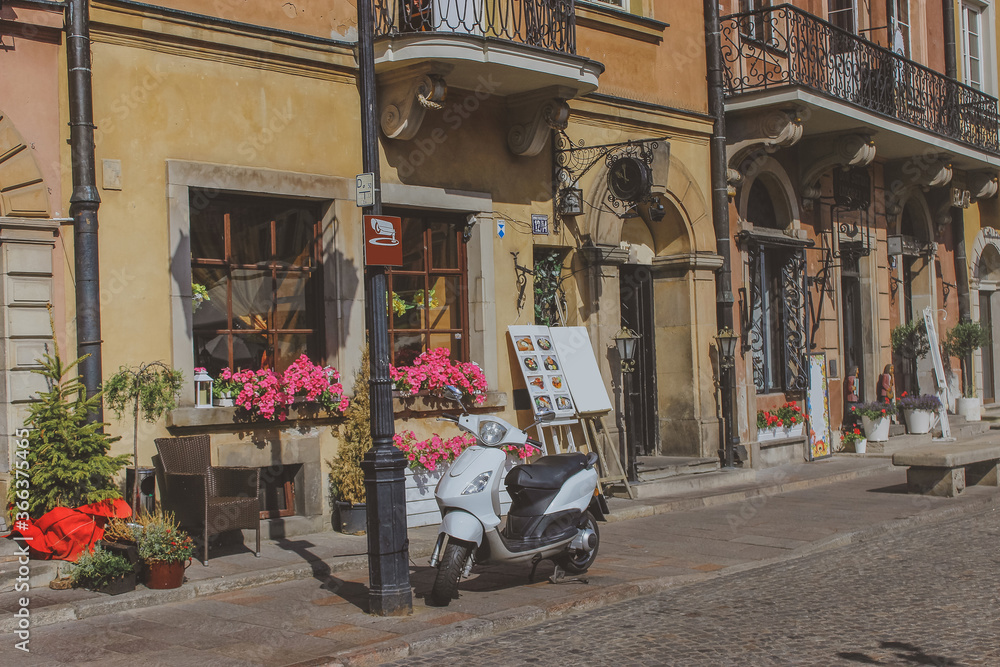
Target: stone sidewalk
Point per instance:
(304, 602)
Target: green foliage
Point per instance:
(347, 480)
(548, 290)
(97, 569)
(160, 538)
(68, 462)
(965, 338)
(910, 340)
(199, 294)
(151, 389)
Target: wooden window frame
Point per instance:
(314, 306)
(462, 272)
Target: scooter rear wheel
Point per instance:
(445, 589)
(579, 561)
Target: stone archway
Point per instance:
(986, 309)
(22, 190)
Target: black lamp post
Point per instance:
(625, 341)
(725, 345)
(389, 591)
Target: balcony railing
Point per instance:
(549, 24)
(784, 46)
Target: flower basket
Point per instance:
(780, 432)
(119, 585)
(876, 430)
(224, 400)
(861, 446)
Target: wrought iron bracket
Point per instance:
(575, 159)
(522, 281)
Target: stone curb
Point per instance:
(513, 619)
(140, 599)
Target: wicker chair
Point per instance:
(206, 499)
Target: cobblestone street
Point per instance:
(928, 596)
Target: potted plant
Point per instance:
(909, 342)
(875, 418)
(151, 388)
(347, 480)
(164, 548)
(119, 539)
(965, 338)
(104, 572)
(67, 457)
(225, 389)
(851, 436)
(918, 411)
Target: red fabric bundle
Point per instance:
(63, 533)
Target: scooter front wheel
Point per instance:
(456, 555)
(578, 561)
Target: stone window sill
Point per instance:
(607, 18)
(191, 417)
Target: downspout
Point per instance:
(85, 200)
(957, 214)
(720, 216)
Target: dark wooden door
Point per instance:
(851, 306)
(636, 284)
(989, 378)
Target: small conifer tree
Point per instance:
(68, 462)
(347, 479)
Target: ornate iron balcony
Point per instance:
(548, 24)
(784, 46)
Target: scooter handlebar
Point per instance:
(449, 418)
(534, 443)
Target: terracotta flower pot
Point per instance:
(162, 574)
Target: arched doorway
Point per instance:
(987, 273)
(915, 288)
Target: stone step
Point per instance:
(652, 468)
(684, 484)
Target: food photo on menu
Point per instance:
(544, 343)
(543, 403)
(563, 403)
(531, 363)
(550, 363)
(524, 344)
(556, 381)
(536, 382)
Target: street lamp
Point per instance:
(389, 592)
(725, 346)
(625, 341)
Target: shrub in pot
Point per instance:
(104, 572)
(164, 548)
(962, 340)
(909, 342)
(347, 479)
(875, 418)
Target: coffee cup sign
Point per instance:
(383, 245)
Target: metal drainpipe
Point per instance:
(957, 214)
(85, 200)
(720, 214)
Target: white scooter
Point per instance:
(553, 514)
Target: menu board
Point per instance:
(542, 370)
(586, 386)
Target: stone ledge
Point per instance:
(190, 417)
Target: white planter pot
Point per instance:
(224, 401)
(918, 422)
(877, 430)
(861, 446)
(970, 408)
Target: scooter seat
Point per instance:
(548, 472)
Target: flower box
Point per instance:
(780, 433)
(422, 508)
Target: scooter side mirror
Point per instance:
(452, 392)
(546, 416)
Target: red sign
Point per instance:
(383, 240)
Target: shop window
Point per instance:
(257, 262)
(428, 305)
(276, 492)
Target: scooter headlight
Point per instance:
(491, 432)
(478, 484)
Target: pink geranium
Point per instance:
(434, 369)
(264, 394)
(435, 451)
